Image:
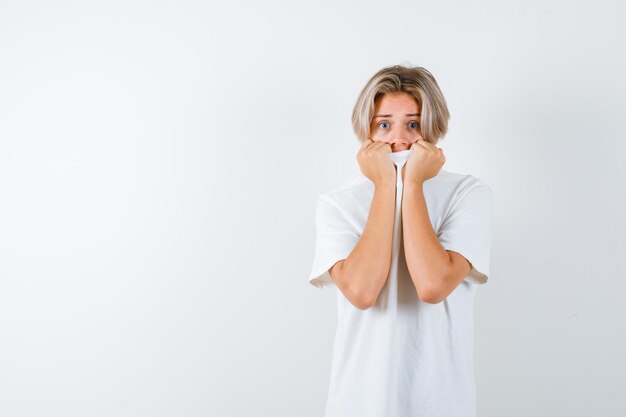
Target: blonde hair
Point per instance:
(416, 81)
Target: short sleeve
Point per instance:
(467, 230)
(335, 238)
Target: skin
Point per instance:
(435, 271)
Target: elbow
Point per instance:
(431, 291)
(430, 296)
(356, 295)
(362, 299)
(431, 300)
(361, 293)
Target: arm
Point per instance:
(435, 272)
(362, 275)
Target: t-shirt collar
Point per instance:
(399, 158)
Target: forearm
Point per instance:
(426, 258)
(368, 264)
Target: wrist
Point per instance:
(413, 184)
(385, 184)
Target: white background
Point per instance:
(159, 164)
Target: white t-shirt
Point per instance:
(404, 357)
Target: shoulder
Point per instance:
(356, 190)
(458, 185)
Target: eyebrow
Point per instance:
(389, 115)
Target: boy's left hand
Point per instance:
(424, 162)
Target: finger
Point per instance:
(378, 145)
(366, 142)
(427, 145)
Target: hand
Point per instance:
(424, 162)
(374, 162)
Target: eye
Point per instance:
(414, 125)
(383, 123)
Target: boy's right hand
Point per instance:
(374, 162)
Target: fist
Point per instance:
(424, 162)
(374, 162)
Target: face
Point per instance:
(396, 121)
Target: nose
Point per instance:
(399, 141)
